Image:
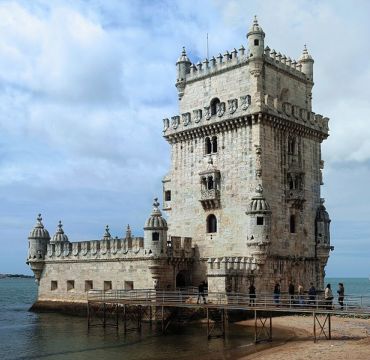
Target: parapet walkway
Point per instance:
(108, 307)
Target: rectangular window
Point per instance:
(54, 285)
(167, 195)
(107, 285)
(256, 42)
(129, 285)
(155, 236)
(70, 285)
(88, 285)
(259, 220)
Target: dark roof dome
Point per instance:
(155, 220)
(39, 232)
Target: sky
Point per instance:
(84, 86)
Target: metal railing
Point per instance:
(190, 297)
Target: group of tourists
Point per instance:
(296, 298)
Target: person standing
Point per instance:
(291, 292)
(201, 289)
(311, 294)
(328, 297)
(277, 293)
(300, 294)
(340, 292)
(252, 294)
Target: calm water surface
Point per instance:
(26, 335)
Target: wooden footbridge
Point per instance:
(132, 307)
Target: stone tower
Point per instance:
(246, 164)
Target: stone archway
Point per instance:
(182, 279)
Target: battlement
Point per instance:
(180, 247)
(240, 107)
(235, 58)
(228, 265)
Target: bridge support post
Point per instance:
(216, 323)
(322, 326)
(264, 331)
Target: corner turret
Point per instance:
(256, 40)
(155, 232)
(38, 240)
(183, 67)
(306, 61)
(259, 214)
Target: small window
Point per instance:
(214, 105)
(214, 144)
(107, 285)
(155, 236)
(208, 145)
(54, 285)
(211, 224)
(292, 224)
(88, 285)
(70, 285)
(167, 195)
(259, 220)
(210, 183)
(256, 42)
(129, 285)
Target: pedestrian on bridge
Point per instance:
(201, 289)
(291, 292)
(311, 294)
(252, 295)
(277, 293)
(340, 292)
(328, 297)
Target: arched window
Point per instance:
(208, 145)
(214, 103)
(292, 224)
(214, 144)
(210, 183)
(211, 224)
(291, 146)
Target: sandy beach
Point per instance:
(350, 340)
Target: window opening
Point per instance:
(70, 285)
(214, 144)
(167, 195)
(214, 104)
(259, 220)
(129, 285)
(292, 224)
(107, 285)
(211, 224)
(155, 236)
(256, 42)
(208, 145)
(88, 285)
(54, 285)
(210, 183)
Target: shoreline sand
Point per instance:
(350, 340)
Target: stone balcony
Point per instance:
(210, 199)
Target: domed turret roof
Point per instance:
(255, 28)
(258, 202)
(183, 57)
(321, 214)
(305, 55)
(39, 232)
(155, 220)
(59, 236)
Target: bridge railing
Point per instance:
(230, 299)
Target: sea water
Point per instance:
(28, 335)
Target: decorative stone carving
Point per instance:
(166, 124)
(233, 105)
(258, 161)
(245, 101)
(186, 119)
(207, 112)
(175, 121)
(220, 109)
(197, 115)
